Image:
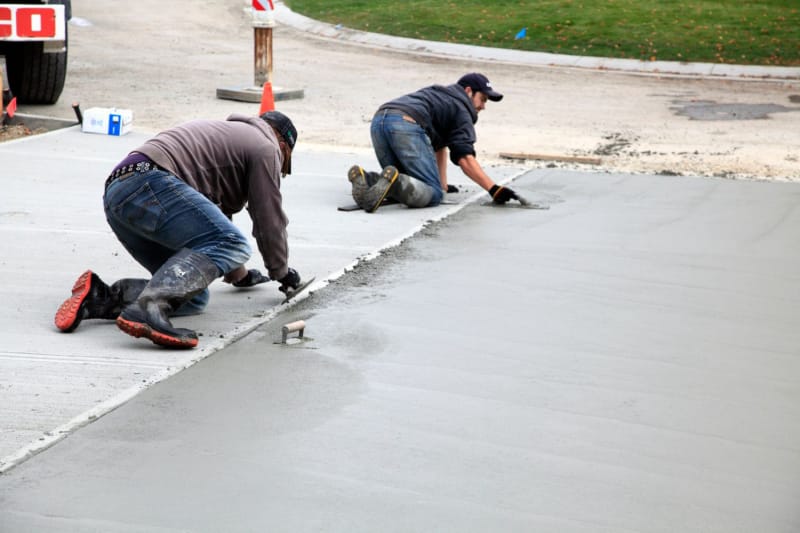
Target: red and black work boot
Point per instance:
(184, 275)
(71, 312)
(138, 323)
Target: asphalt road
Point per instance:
(651, 117)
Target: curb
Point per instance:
(541, 59)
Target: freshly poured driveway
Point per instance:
(626, 360)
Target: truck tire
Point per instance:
(36, 77)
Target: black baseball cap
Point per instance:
(479, 82)
(285, 127)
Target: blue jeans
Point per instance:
(405, 145)
(154, 215)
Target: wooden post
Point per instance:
(263, 22)
(263, 55)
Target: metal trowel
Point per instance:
(524, 203)
(527, 204)
(291, 293)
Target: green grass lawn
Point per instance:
(764, 32)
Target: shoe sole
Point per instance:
(359, 182)
(356, 172)
(67, 312)
(139, 330)
(390, 175)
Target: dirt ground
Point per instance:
(8, 133)
(166, 60)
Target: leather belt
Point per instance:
(126, 171)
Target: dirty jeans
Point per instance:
(405, 145)
(154, 215)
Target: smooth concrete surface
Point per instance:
(624, 361)
(53, 228)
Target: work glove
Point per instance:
(501, 195)
(290, 281)
(451, 188)
(252, 278)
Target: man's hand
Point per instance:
(501, 195)
(252, 278)
(290, 281)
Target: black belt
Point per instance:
(126, 171)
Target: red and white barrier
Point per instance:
(263, 14)
(262, 90)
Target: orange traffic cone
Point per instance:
(267, 99)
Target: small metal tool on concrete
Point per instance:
(524, 203)
(291, 293)
(527, 204)
(298, 326)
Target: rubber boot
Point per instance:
(371, 199)
(361, 180)
(183, 276)
(410, 191)
(91, 298)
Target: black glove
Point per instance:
(253, 277)
(501, 194)
(290, 281)
(452, 188)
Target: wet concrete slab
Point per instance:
(53, 228)
(623, 361)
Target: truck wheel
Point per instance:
(36, 77)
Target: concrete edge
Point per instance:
(286, 16)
